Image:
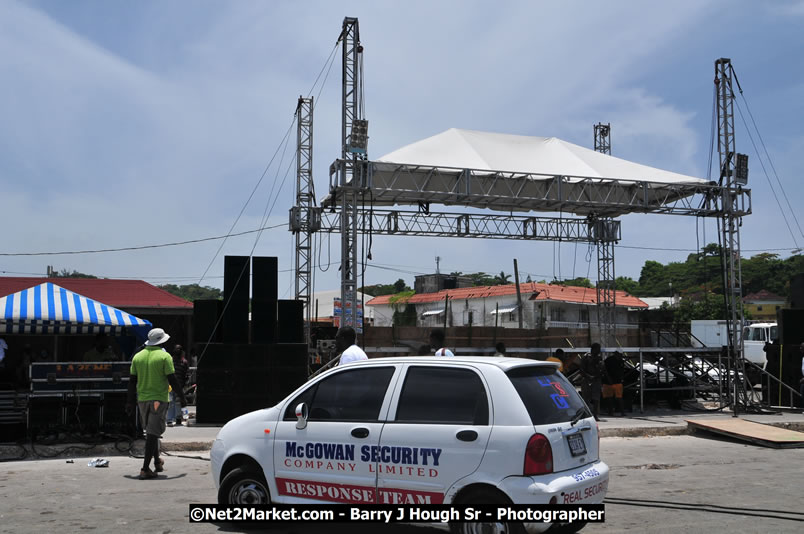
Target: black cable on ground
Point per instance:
(16, 458)
(165, 453)
(712, 508)
(40, 454)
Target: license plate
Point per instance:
(576, 444)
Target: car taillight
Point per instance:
(597, 427)
(538, 456)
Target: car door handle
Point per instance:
(360, 432)
(466, 435)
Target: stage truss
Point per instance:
(362, 194)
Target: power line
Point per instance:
(765, 149)
(770, 184)
(141, 247)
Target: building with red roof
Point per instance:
(137, 297)
(132, 296)
(543, 305)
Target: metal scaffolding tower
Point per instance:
(305, 217)
(351, 176)
(605, 236)
(597, 201)
(731, 183)
(603, 138)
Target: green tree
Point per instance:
(478, 279)
(627, 284)
(404, 315)
(697, 303)
(65, 273)
(193, 292)
(502, 279)
(377, 290)
(653, 279)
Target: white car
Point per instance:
(419, 430)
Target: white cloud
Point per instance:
(159, 132)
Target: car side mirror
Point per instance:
(301, 416)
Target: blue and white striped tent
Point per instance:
(50, 309)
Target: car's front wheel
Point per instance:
(244, 485)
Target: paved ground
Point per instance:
(701, 484)
(659, 484)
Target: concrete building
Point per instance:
(763, 305)
(543, 306)
(432, 283)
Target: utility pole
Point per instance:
(518, 293)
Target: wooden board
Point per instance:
(765, 435)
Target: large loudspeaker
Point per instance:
(784, 363)
(82, 412)
(206, 313)
(228, 373)
(264, 300)
(797, 291)
(114, 417)
(236, 278)
(288, 369)
(291, 321)
(791, 326)
(44, 414)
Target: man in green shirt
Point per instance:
(151, 373)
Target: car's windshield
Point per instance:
(547, 394)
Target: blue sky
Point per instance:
(128, 124)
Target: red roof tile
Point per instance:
(763, 294)
(530, 291)
(117, 293)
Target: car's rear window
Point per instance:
(547, 395)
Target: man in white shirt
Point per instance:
(345, 344)
(437, 340)
(3, 348)
(801, 382)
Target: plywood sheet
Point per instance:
(758, 433)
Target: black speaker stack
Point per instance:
(264, 308)
(785, 356)
(236, 279)
(237, 375)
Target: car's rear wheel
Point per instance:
(487, 496)
(244, 485)
(568, 528)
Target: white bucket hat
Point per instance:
(157, 336)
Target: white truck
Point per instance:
(713, 333)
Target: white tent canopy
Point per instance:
(471, 149)
(520, 173)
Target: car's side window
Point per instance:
(443, 395)
(353, 395)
